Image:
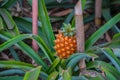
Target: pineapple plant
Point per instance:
(65, 43)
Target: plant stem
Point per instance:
(80, 33)
(35, 22)
(98, 5)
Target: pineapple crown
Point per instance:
(68, 30)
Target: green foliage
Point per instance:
(49, 66)
(1, 23)
(101, 31)
(54, 64)
(53, 75)
(14, 54)
(11, 78)
(32, 74)
(11, 72)
(8, 20)
(15, 64)
(46, 25)
(112, 57)
(101, 66)
(74, 59)
(66, 75)
(8, 3)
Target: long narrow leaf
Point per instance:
(13, 41)
(24, 47)
(46, 25)
(107, 16)
(99, 64)
(66, 75)
(9, 3)
(43, 75)
(101, 31)
(112, 57)
(9, 20)
(79, 78)
(25, 26)
(11, 78)
(109, 75)
(14, 54)
(1, 23)
(44, 48)
(32, 74)
(112, 44)
(83, 4)
(53, 76)
(76, 59)
(16, 64)
(11, 72)
(54, 64)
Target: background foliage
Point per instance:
(102, 60)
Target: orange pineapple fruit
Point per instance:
(65, 43)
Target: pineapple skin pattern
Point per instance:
(65, 45)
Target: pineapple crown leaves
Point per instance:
(68, 30)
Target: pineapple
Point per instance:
(65, 43)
